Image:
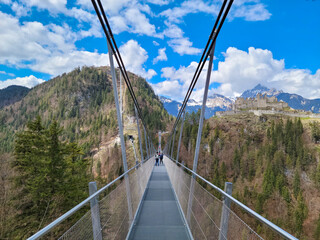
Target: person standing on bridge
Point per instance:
(157, 159)
(161, 158)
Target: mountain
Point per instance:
(170, 105)
(294, 101)
(215, 103)
(82, 102)
(12, 94)
(252, 93)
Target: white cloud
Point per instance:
(54, 6)
(178, 81)
(6, 1)
(19, 9)
(250, 10)
(139, 22)
(155, 43)
(160, 2)
(243, 70)
(172, 31)
(28, 82)
(5, 73)
(66, 62)
(161, 56)
(183, 46)
(51, 48)
(134, 56)
(126, 15)
(257, 12)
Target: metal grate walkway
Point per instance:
(159, 216)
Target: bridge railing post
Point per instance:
(179, 143)
(224, 222)
(174, 136)
(95, 212)
(139, 135)
(146, 141)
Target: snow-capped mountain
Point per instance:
(218, 102)
(170, 105)
(294, 101)
(215, 103)
(252, 93)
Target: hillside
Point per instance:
(82, 102)
(12, 94)
(272, 161)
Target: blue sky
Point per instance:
(275, 43)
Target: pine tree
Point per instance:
(296, 184)
(51, 176)
(317, 231)
(300, 214)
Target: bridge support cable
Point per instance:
(212, 39)
(139, 135)
(114, 49)
(120, 93)
(181, 130)
(122, 142)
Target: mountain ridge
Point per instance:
(12, 94)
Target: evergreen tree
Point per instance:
(317, 232)
(300, 214)
(296, 184)
(51, 176)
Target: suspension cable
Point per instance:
(112, 43)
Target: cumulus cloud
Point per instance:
(134, 56)
(66, 62)
(178, 81)
(28, 82)
(139, 22)
(183, 46)
(6, 73)
(51, 48)
(162, 56)
(242, 70)
(250, 10)
(31, 41)
(126, 15)
(159, 2)
(50, 5)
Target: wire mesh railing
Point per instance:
(111, 210)
(208, 217)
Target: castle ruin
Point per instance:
(260, 102)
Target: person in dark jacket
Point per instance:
(161, 158)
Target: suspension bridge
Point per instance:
(166, 201)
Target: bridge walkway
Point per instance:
(159, 216)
